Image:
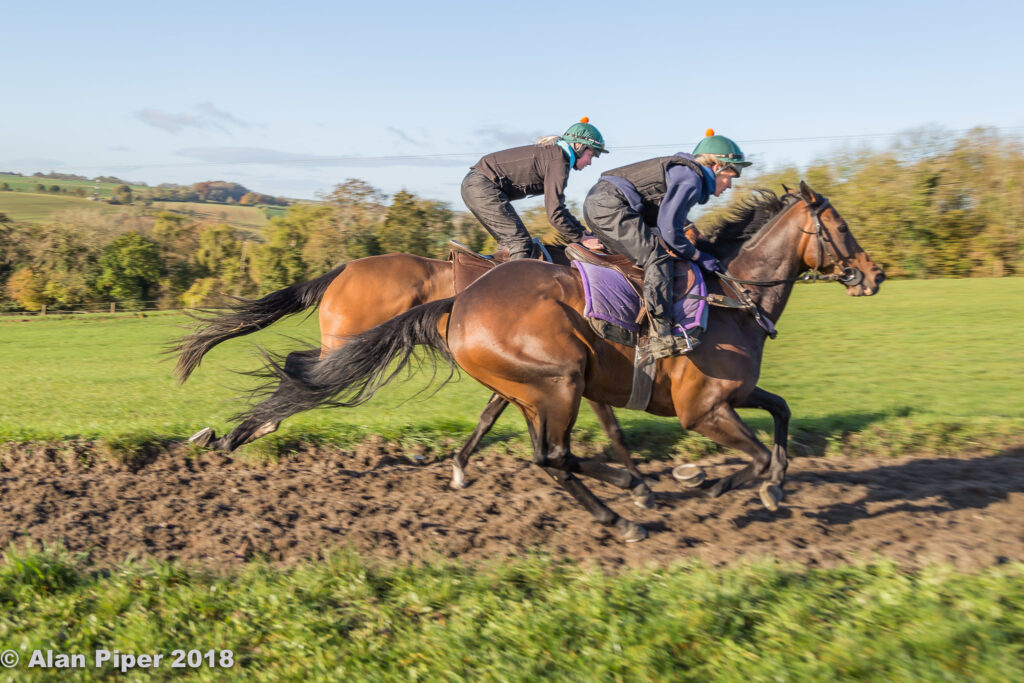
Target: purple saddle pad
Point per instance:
(611, 298)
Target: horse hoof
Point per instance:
(689, 475)
(771, 496)
(202, 438)
(458, 478)
(645, 502)
(631, 532)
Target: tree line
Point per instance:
(928, 206)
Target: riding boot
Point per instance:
(662, 343)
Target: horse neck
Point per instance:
(772, 254)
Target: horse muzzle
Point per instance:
(857, 283)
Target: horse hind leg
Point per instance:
(495, 406)
(550, 428)
(643, 497)
(253, 427)
(632, 480)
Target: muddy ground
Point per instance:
(966, 510)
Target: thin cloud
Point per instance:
(403, 136)
(208, 118)
(259, 155)
(502, 136)
(172, 123)
(212, 111)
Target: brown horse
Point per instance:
(546, 356)
(353, 298)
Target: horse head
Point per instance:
(831, 249)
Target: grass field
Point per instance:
(29, 207)
(29, 183)
(926, 365)
(249, 217)
(920, 354)
(535, 619)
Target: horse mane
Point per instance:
(744, 220)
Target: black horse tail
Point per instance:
(245, 317)
(351, 374)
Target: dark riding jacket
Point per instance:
(663, 190)
(532, 170)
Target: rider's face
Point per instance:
(584, 159)
(723, 180)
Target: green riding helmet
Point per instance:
(723, 149)
(586, 134)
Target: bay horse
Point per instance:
(353, 298)
(546, 357)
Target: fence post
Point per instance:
(42, 311)
(113, 305)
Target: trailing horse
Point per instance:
(547, 357)
(353, 298)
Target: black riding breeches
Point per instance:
(493, 209)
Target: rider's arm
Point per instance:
(684, 191)
(555, 178)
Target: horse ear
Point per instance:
(807, 192)
(785, 188)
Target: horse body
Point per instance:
(544, 356)
(377, 288)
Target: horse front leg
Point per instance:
(611, 427)
(723, 426)
(779, 410)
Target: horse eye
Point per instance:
(843, 227)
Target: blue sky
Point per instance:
(293, 98)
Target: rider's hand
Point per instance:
(592, 243)
(707, 262)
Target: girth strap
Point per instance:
(644, 367)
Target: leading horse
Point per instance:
(547, 357)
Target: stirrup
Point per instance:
(665, 346)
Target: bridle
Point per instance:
(849, 276)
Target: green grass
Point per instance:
(250, 217)
(29, 183)
(535, 618)
(25, 207)
(923, 364)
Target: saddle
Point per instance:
(635, 274)
(468, 266)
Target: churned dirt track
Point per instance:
(966, 510)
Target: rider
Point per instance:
(640, 211)
(501, 177)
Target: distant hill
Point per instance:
(34, 198)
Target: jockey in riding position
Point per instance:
(640, 210)
(541, 168)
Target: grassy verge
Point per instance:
(536, 618)
(927, 366)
